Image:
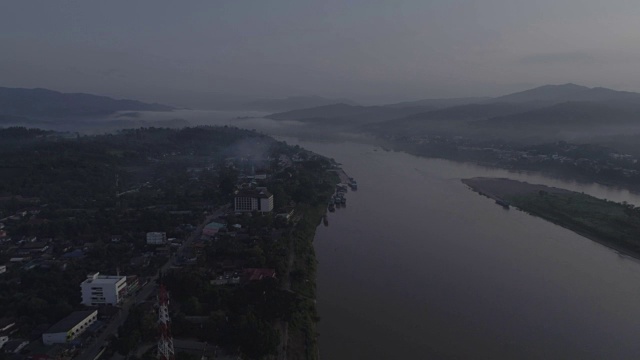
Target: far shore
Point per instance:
(508, 190)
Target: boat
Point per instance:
(353, 184)
(332, 207)
(502, 203)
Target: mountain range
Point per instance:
(49, 104)
(539, 111)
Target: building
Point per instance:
(70, 327)
(3, 340)
(286, 213)
(258, 199)
(156, 238)
(212, 228)
(259, 274)
(103, 289)
(3, 269)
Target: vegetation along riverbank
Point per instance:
(612, 224)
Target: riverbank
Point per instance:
(301, 332)
(615, 225)
(566, 170)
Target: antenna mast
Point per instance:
(165, 340)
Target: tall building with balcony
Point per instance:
(103, 289)
(258, 199)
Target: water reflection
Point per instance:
(418, 266)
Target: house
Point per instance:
(75, 254)
(3, 340)
(103, 289)
(259, 274)
(258, 199)
(286, 213)
(228, 278)
(70, 327)
(3, 269)
(156, 238)
(33, 248)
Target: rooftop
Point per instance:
(214, 225)
(96, 278)
(70, 321)
(259, 274)
(259, 193)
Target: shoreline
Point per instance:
(479, 185)
(302, 334)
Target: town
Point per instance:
(222, 223)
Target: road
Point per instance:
(91, 351)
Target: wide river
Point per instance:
(417, 266)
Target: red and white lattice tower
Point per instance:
(165, 340)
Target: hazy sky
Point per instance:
(370, 51)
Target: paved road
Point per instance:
(91, 351)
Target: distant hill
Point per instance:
(470, 112)
(292, 103)
(43, 103)
(441, 103)
(345, 114)
(573, 114)
(542, 111)
(555, 94)
(447, 119)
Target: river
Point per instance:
(418, 266)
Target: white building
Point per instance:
(103, 289)
(156, 238)
(70, 327)
(3, 340)
(3, 269)
(258, 199)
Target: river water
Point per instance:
(417, 266)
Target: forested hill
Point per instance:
(81, 171)
(43, 103)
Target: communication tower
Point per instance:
(165, 340)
